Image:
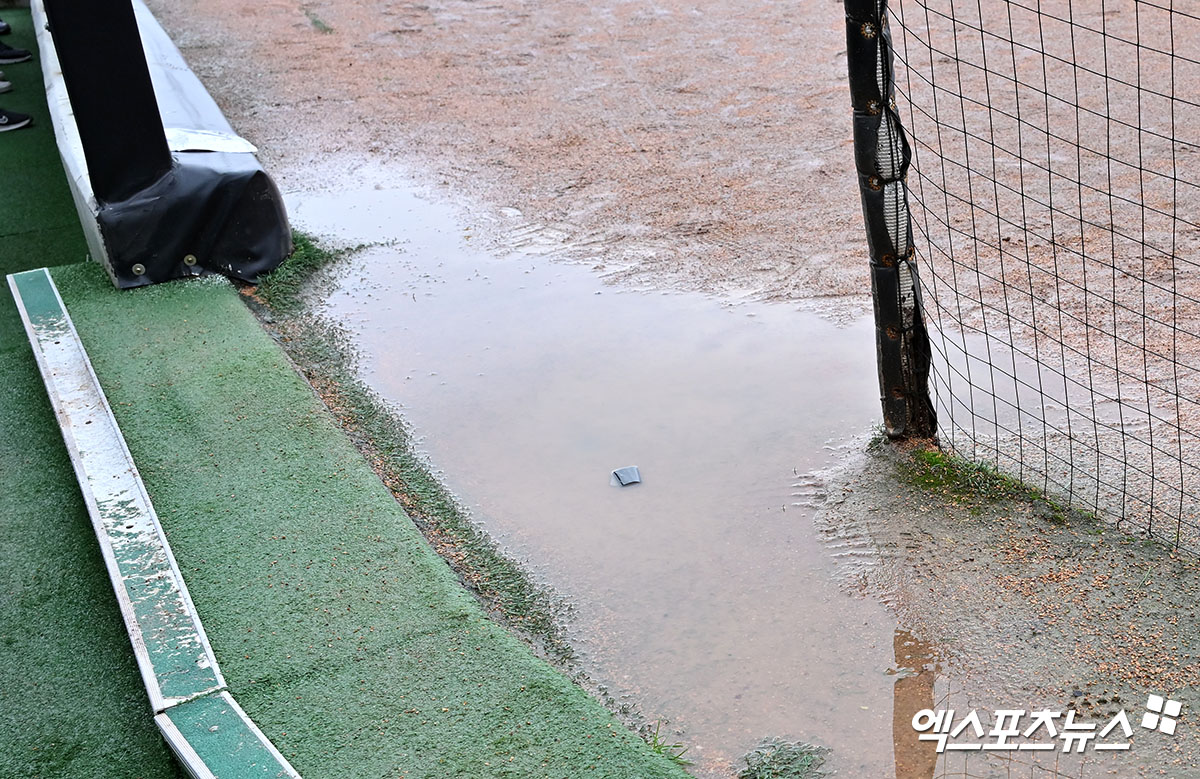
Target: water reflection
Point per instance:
(916, 672)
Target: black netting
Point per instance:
(1056, 228)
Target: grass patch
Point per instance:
(879, 439)
(317, 22)
(778, 759)
(283, 289)
(961, 478)
(672, 751)
(978, 485)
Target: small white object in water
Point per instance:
(623, 477)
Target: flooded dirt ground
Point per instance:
(703, 594)
(767, 578)
(1012, 605)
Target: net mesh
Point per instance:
(1056, 228)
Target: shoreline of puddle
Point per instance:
(704, 595)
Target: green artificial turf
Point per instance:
(342, 634)
(38, 223)
(73, 703)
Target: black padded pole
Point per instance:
(108, 81)
(881, 155)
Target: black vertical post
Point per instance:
(108, 81)
(881, 155)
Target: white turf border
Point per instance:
(184, 753)
(82, 410)
(102, 462)
(192, 761)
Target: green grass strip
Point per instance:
(978, 485)
(339, 631)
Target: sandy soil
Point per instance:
(702, 144)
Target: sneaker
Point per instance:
(11, 56)
(5, 27)
(11, 120)
(5, 86)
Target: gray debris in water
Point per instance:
(623, 477)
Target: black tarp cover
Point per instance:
(177, 192)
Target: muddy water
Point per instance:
(703, 593)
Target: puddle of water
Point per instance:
(703, 592)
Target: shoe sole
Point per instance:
(14, 61)
(17, 126)
(5, 86)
